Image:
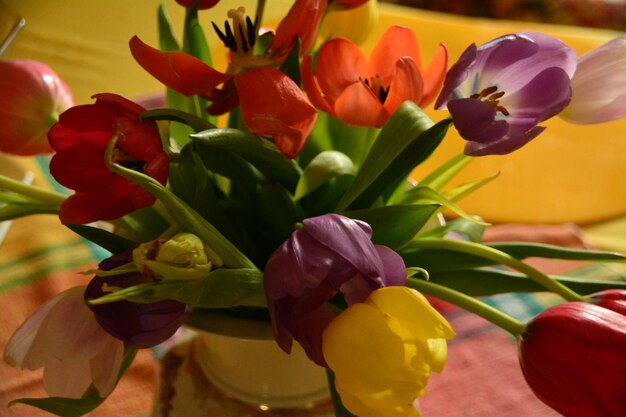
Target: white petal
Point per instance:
(105, 366)
(20, 344)
(69, 380)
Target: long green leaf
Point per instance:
(442, 175)
(463, 190)
(483, 282)
(426, 195)
(393, 226)
(167, 40)
(107, 240)
(174, 115)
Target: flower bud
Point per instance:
(573, 356)
(612, 299)
(33, 96)
(183, 256)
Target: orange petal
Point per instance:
(396, 42)
(339, 64)
(406, 85)
(358, 106)
(312, 88)
(273, 105)
(302, 21)
(434, 74)
(179, 71)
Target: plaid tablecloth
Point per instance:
(40, 257)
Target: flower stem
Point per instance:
(36, 193)
(501, 258)
(500, 319)
(258, 20)
(340, 409)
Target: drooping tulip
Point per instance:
(383, 350)
(33, 96)
(138, 325)
(292, 118)
(499, 92)
(80, 139)
(347, 86)
(64, 338)
(599, 85)
(329, 254)
(573, 356)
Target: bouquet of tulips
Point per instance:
(280, 187)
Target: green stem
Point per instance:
(500, 319)
(501, 258)
(340, 409)
(36, 193)
(260, 9)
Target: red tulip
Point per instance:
(612, 299)
(573, 356)
(33, 96)
(202, 4)
(80, 139)
(190, 76)
(365, 93)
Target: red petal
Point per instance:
(434, 74)
(339, 64)
(273, 105)
(312, 88)
(358, 106)
(179, 71)
(406, 85)
(302, 21)
(396, 42)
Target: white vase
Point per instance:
(237, 369)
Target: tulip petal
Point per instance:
(178, 71)
(66, 379)
(476, 121)
(302, 21)
(358, 106)
(433, 75)
(104, 366)
(397, 42)
(407, 85)
(273, 105)
(340, 64)
(312, 88)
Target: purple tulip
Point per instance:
(139, 325)
(329, 254)
(499, 92)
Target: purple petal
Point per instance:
(456, 75)
(475, 121)
(509, 143)
(395, 270)
(543, 97)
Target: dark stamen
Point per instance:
(492, 97)
(231, 37)
(383, 93)
(251, 28)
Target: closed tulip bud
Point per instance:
(33, 96)
(612, 299)
(573, 356)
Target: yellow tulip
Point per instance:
(383, 350)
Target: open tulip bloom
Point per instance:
(298, 207)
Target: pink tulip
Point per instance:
(33, 96)
(64, 338)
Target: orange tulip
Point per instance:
(365, 93)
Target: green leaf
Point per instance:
(107, 240)
(442, 175)
(325, 166)
(489, 281)
(196, 123)
(393, 226)
(468, 228)
(440, 260)
(194, 42)
(463, 190)
(354, 141)
(14, 211)
(74, 407)
(167, 40)
(404, 126)
(426, 195)
(261, 153)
